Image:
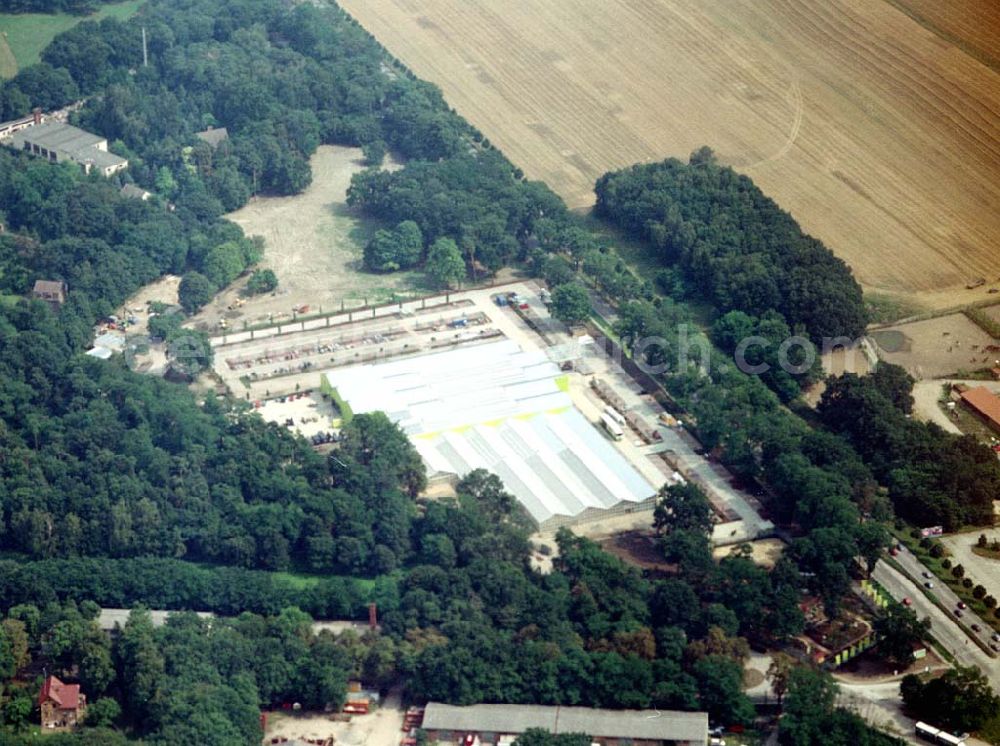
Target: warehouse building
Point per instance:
(497, 407)
(501, 724)
(58, 142)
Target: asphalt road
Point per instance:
(943, 627)
(909, 562)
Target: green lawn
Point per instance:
(27, 34)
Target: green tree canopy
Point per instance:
(570, 303)
(445, 265)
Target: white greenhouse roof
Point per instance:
(497, 407)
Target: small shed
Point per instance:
(214, 136)
(52, 292)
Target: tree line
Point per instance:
(75, 7)
(734, 244)
(188, 681)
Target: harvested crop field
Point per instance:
(879, 135)
(938, 347)
(974, 25)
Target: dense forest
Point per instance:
(189, 681)
(934, 477)
(76, 7)
(112, 483)
(734, 244)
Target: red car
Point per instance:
(961, 604)
(907, 601)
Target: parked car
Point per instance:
(958, 612)
(907, 601)
(927, 574)
(961, 604)
(928, 584)
(995, 637)
(976, 628)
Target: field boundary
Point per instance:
(935, 29)
(8, 62)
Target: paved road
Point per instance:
(109, 617)
(714, 477)
(943, 627)
(880, 705)
(909, 562)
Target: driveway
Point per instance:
(880, 705)
(925, 405)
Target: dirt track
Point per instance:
(882, 138)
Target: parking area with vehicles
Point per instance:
(279, 370)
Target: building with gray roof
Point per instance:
(58, 142)
(450, 724)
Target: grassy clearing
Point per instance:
(298, 580)
(8, 64)
(887, 309)
(303, 580)
(27, 34)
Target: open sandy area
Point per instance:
(880, 135)
(938, 347)
(314, 244)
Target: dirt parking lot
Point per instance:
(936, 348)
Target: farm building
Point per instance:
(58, 142)
(214, 136)
(62, 705)
(16, 125)
(497, 407)
(985, 403)
(448, 724)
(52, 292)
(131, 191)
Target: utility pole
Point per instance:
(145, 55)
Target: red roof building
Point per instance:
(62, 705)
(984, 403)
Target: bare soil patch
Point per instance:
(314, 244)
(764, 552)
(636, 548)
(938, 347)
(878, 135)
